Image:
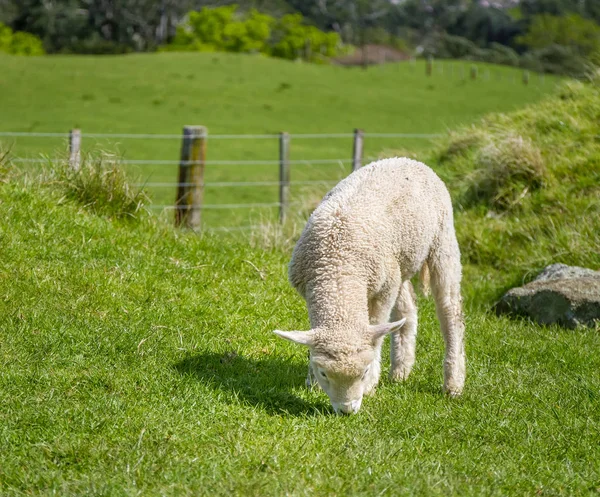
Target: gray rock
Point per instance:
(567, 295)
(562, 271)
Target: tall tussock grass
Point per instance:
(101, 185)
(507, 168)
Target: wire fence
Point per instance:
(192, 163)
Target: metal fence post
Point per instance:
(284, 175)
(357, 150)
(190, 189)
(75, 149)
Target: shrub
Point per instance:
(556, 59)
(224, 29)
(19, 43)
(501, 54)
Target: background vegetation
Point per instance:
(240, 94)
(19, 43)
(559, 36)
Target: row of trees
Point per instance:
(479, 28)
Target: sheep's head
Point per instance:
(345, 370)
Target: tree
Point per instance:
(581, 35)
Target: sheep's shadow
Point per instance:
(265, 383)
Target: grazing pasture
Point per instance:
(137, 360)
(239, 94)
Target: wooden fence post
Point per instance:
(284, 175)
(75, 149)
(525, 78)
(473, 72)
(307, 50)
(429, 66)
(357, 150)
(190, 190)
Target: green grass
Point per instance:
(233, 94)
(526, 187)
(138, 360)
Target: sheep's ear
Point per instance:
(301, 337)
(380, 330)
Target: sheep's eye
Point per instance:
(323, 374)
(365, 373)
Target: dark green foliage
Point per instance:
(556, 59)
(581, 36)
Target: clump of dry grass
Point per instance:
(101, 185)
(509, 166)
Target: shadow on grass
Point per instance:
(265, 383)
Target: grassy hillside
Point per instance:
(526, 186)
(138, 360)
(159, 93)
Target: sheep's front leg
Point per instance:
(404, 340)
(311, 379)
(379, 312)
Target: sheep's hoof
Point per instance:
(400, 374)
(453, 392)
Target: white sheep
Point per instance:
(353, 263)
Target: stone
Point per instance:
(566, 295)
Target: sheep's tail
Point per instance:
(425, 277)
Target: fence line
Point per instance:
(224, 184)
(256, 205)
(150, 136)
(167, 162)
(190, 185)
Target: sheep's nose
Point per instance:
(351, 407)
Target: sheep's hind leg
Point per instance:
(445, 285)
(402, 350)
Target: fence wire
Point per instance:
(218, 184)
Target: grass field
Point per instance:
(135, 360)
(230, 94)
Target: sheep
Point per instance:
(353, 264)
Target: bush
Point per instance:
(501, 54)
(447, 46)
(556, 59)
(19, 43)
(223, 29)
